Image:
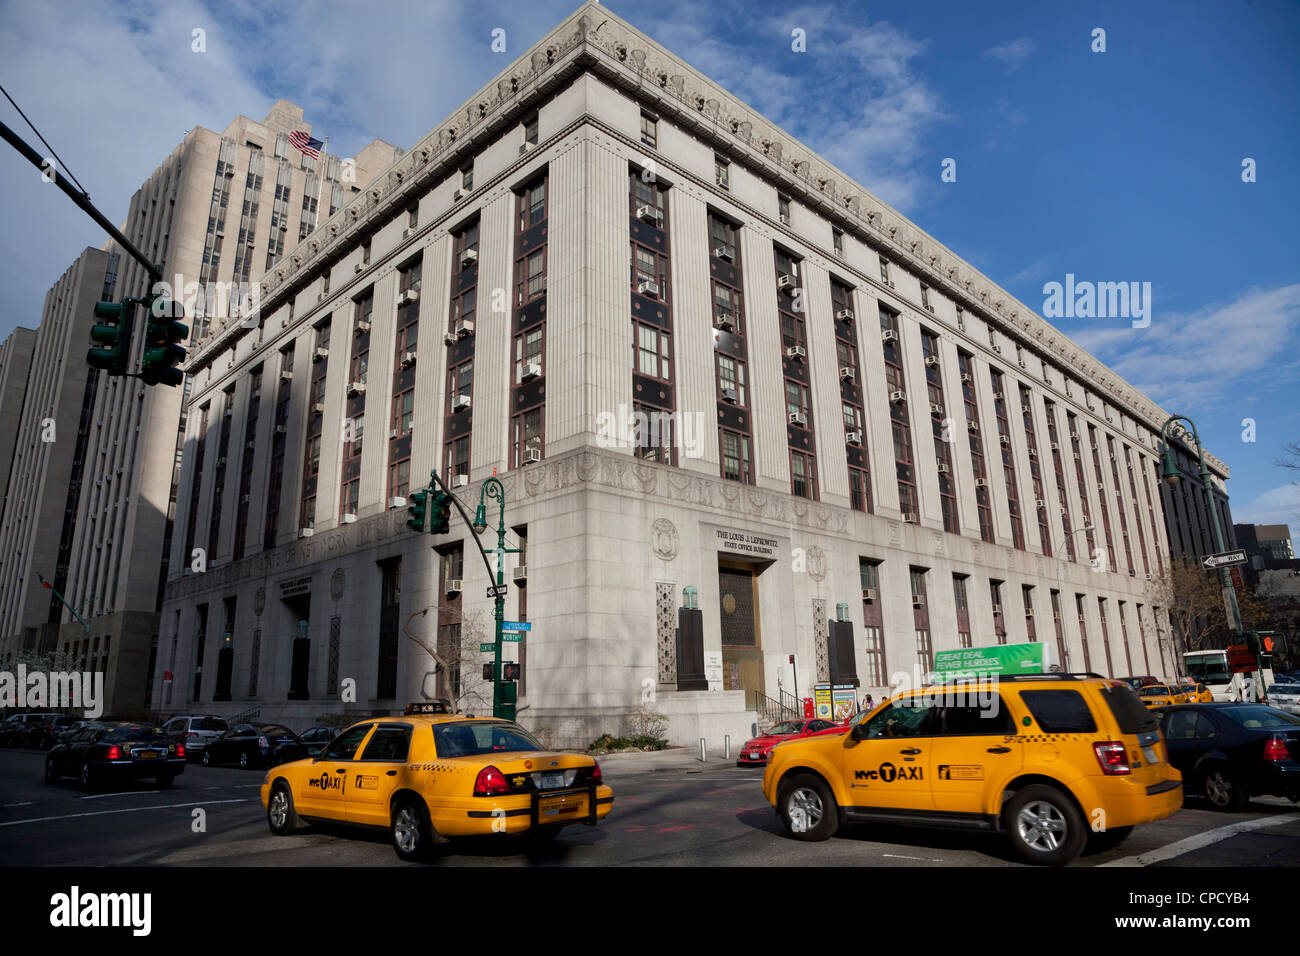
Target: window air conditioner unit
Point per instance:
(454, 584)
(319, 354)
(397, 502)
(931, 361)
(909, 518)
(532, 456)
(349, 518)
(918, 600)
(410, 295)
(361, 328)
(460, 402)
(356, 388)
(468, 257)
(724, 321)
(464, 327)
(965, 378)
(854, 438)
(997, 609)
(1022, 363)
(221, 462)
(359, 267)
(1055, 446)
(286, 375)
(450, 338)
(245, 499)
(724, 252)
(1033, 455)
(1148, 576)
(936, 408)
(250, 444)
(458, 195)
(284, 226)
(646, 287)
(981, 482)
(530, 371)
(459, 481)
(1065, 513)
(721, 181)
(281, 429)
(408, 359)
(229, 173)
(942, 468)
(888, 335)
(890, 283)
(996, 348)
(1040, 503)
(898, 395)
(1078, 457)
(844, 315)
(1101, 489)
(784, 281)
(1004, 440)
(319, 408)
(796, 352)
(306, 533)
(847, 373)
(521, 574)
(729, 394)
(869, 594)
(647, 213)
(392, 433)
(525, 147)
(798, 418)
(973, 426)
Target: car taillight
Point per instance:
(1275, 749)
(115, 752)
(1113, 757)
(180, 750)
(490, 782)
(595, 772)
(190, 734)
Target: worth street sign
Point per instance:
(1224, 559)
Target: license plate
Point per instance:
(1150, 754)
(147, 754)
(552, 781)
(565, 805)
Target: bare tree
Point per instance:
(1291, 461)
(459, 661)
(1194, 599)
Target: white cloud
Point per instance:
(1279, 505)
(1218, 354)
(1012, 53)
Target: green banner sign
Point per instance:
(488, 647)
(998, 659)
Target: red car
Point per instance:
(755, 752)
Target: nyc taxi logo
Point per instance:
(888, 773)
(326, 782)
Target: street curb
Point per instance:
(674, 758)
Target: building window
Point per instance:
(528, 355)
(726, 307)
(467, 177)
(803, 475)
(722, 172)
(859, 490)
(649, 130)
(731, 380)
(925, 298)
(460, 382)
(735, 456)
(526, 431)
(532, 277)
(837, 242)
(457, 457)
(403, 409)
(532, 205)
(413, 217)
(884, 272)
(399, 478)
(466, 242)
(783, 208)
(652, 352)
(530, 130)
(796, 399)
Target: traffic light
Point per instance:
(487, 671)
(112, 337)
(164, 333)
(441, 513)
(417, 509)
(510, 670)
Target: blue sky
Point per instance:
(1115, 166)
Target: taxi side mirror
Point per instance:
(859, 731)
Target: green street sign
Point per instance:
(997, 659)
(512, 638)
(487, 647)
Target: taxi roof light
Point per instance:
(1113, 757)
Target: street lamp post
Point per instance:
(492, 488)
(1169, 472)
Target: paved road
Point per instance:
(713, 816)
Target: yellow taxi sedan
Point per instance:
(1159, 695)
(426, 778)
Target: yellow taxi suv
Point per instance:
(1052, 761)
(426, 778)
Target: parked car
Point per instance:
(1285, 695)
(48, 732)
(255, 745)
(115, 751)
(1158, 695)
(1137, 683)
(317, 738)
(755, 752)
(195, 732)
(14, 731)
(1229, 753)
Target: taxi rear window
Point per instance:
(1129, 712)
(1060, 711)
(472, 739)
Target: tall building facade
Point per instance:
(215, 215)
(15, 362)
(706, 367)
(1269, 542)
(1188, 522)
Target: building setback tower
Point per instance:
(702, 362)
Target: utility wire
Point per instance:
(42, 139)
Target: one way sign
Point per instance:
(1224, 559)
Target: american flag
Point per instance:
(305, 143)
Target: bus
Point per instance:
(1211, 669)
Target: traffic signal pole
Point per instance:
(82, 199)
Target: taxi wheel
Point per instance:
(1223, 790)
(1045, 826)
(413, 836)
(280, 814)
(808, 809)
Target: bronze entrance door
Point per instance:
(742, 652)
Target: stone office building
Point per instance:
(698, 357)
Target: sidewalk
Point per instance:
(674, 758)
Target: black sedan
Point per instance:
(115, 751)
(255, 745)
(49, 731)
(1229, 753)
(316, 738)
